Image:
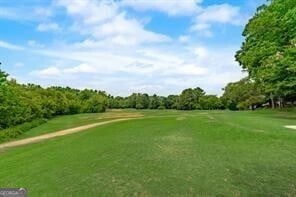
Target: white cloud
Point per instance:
(106, 23)
(18, 65)
(201, 52)
(145, 69)
(49, 72)
(89, 12)
(34, 44)
(184, 38)
(216, 14)
(171, 7)
(124, 31)
(205, 16)
(118, 54)
(146, 88)
(48, 27)
(55, 71)
(141, 61)
(200, 27)
(26, 13)
(82, 68)
(8, 13)
(44, 12)
(10, 46)
(188, 69)
(223, 13)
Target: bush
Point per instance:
(161, 107)
(14, 132)
(139, 106)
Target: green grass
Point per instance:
(167, 153)
(70, 121)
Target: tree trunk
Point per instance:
(272, 101)
(281, 102)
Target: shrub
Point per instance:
(161, 107)
(14, 132)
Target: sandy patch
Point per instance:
(181, 118)
(121, 115)
(210, 117)
(291, 126)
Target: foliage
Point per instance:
(243, 94)
(14, 132)
(210, 102)
(269, 51)
(25, 103)
(155, 102)
(189, 99)
(3, 78)
(171, 102)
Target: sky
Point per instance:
(124, 46)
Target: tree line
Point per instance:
(189, 99)
(21, 103)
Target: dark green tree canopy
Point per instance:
(269, 50)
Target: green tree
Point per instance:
(3, 78)
(155, 102)
(189, 98)
(269, 50)
(171, 102)
(95, 104)
(243, 94)
(21, 103)
(142, 101)
(210, 102)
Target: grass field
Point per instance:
(164, 153)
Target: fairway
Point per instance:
(163, 153)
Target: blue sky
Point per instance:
(124, 46)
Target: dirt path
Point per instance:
(57, 134)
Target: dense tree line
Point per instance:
(268, 53)
(24, 103)
(189, 99)
(20, 103)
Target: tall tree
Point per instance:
(189, 98)
(269, 50)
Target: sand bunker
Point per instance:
(291, 126)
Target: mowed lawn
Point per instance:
(165, 153)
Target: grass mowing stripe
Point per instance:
(168, 156)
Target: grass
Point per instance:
(71, 121)
(166, 153)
